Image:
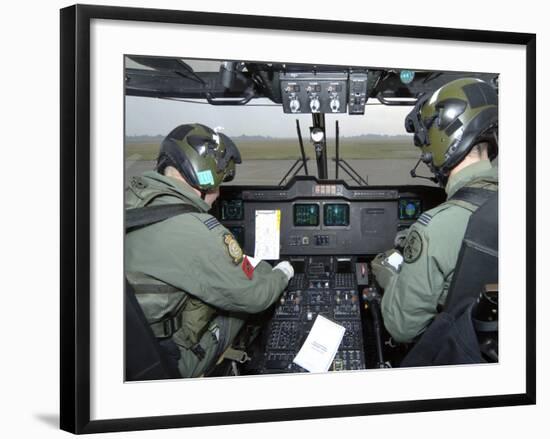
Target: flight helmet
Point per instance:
(449, 122)
(204, 157)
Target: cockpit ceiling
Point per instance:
(239, 82)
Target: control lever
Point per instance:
(362, 273)
(372, 298)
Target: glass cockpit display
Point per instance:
(232, 210)
(306, 215)
(336, 214)
(409, 209)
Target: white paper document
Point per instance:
(268, 234)
(254, 261)
(319, 349)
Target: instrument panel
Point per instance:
(326, 217)
(328, 231)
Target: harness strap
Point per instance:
(482, 326)
(143, 284)
(472, 197)
(171, 323)
(168, 326)
(143, 216)
(136, 218)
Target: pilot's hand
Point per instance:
(382, 270)
(400, 238)
(286, 268)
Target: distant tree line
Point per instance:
(245, 138)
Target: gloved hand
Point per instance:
(286, 268)
(382, 270)
(400, 238)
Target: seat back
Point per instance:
(477, 264)
(453, 338)
(144, 358)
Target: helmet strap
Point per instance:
(441, 178)
(415, 175)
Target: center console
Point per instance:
(324, 286)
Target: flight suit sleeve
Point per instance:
(230, 289)
(411, 297)
(225, 285)
(211, 268)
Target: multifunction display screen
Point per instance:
(409, 208)
(232, 210)
(306, 215)
(336, 214)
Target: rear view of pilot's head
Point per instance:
(203, 157)
(449, 122)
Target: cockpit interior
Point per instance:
(325, 217)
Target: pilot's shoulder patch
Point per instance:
(233, 248)
(211, 223)
(138, 183)
(413, 247)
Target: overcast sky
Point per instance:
(149, 116)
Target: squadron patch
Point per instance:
(138, 183)
(413, 247)
(233, 248)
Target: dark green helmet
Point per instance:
(205, 158)
(448, 123)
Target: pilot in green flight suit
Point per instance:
(187, 270)
(456, 128)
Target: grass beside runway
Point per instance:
(288, 149)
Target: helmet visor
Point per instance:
(231, 157)
(415, 124)
(201, 144)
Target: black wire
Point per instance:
(206, 103)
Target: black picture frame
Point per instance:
(75, 217)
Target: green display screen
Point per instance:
(232, 210)
(306, 215)
(336, 214)
(409, 208)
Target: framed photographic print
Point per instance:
(292, 219)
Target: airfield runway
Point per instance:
(270, 172)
